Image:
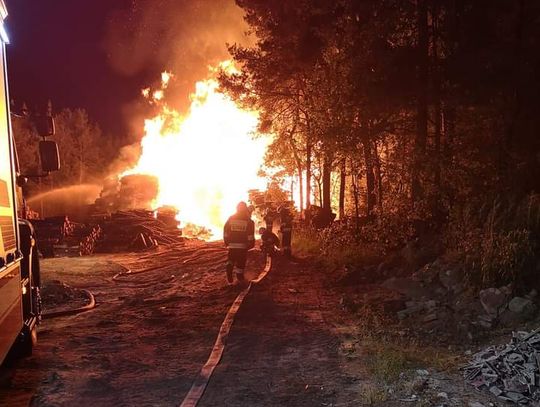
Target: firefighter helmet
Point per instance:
(242, 207)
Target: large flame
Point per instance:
(205, 161)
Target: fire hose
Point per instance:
(199, 385)
(62, 313)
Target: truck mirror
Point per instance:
(49, 156)
(45, 126)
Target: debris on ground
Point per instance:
(510, 372)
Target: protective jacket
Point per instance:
(286, 223)
(269, 219)
(269, 239)
(239, 232)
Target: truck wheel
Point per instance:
(26, 342)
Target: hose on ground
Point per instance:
(62, 313)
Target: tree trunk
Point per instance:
(320, 189)
(437, 97)
(301, 188)
(515, 99)
(342, 185)
(298, 162)
(378, 176)
(81, 159)
(422, 102)
(370, 177)
(354, 190)
(326, 184)
(308, 171)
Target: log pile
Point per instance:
(167, 215)
(59, 234)
(87, 237)
(50, 232)
(136, 229)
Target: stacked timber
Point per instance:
(136, 229)
(85, 238)
(59, 235)
(50, 232)
(167, 215)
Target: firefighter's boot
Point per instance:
(287, 252)
(229, 269)
(240, 276)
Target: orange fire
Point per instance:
(205, 161)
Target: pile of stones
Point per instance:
(510, 372)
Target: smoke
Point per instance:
(181, 36)
(72, 201)
(127, 158)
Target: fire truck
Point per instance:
(19, 262)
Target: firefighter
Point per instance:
(286, 230)
(269, 217)
(239, 237)
(269, 241)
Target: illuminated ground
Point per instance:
(292, 343)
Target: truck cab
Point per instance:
(19, 263)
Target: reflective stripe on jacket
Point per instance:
(239, 232)
(237, 245)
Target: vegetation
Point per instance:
(404, 118)
(84, 151)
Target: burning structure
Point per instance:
(204, 161)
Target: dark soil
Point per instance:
(295, 341)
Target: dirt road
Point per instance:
(152, 331)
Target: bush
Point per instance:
(496, 241)
(335, 247)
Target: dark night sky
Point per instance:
(99, 54)
(57, 52)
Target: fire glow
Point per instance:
(205, 161)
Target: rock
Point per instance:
(506, 289)
(486, 321)
(409, 288)
(515, 397)
(511, 319)
(412, 309)
(421, 251)
(495, 391)
(532, 294)
(411, 304)
(442, 395)
(451, 279)
(492, 300)
(521, 305)
(431, 304)
(429, 274)
(475, 404)
(390, 263)
(419, 384)
(430, 317)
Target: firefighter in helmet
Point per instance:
(285, 230)
(269, 241)
(269, 217)
(239, 237)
